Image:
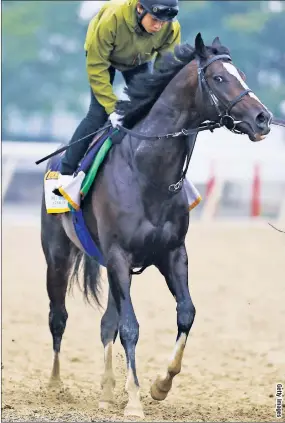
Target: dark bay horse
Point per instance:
(131, 212)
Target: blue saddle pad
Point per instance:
(85, 238)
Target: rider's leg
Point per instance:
(95, 118)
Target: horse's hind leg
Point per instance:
(56, 247)
(109, 331)
(175, 270)
(56, 287)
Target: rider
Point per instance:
(124, 36)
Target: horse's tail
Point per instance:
(91, 275)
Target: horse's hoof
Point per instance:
(134, 411)
(55, 383)
(159, 390)
(105, 405)
(107, 396)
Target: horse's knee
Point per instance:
(129, 331)
(185, 316)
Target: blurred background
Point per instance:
(45, 94)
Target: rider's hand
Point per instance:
(116, 120)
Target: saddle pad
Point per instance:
(54, 203)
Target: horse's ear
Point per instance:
(216, 43)
(200, 46)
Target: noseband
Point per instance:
(224, 117)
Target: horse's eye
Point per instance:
(218, 79)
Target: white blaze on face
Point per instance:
(233, 71)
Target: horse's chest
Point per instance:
(164, 234)
(150, 241)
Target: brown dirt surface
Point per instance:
(233, 359)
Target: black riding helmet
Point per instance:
(163, 10)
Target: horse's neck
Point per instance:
(161, 161)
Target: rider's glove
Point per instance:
(115, 119)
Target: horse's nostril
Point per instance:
(261, 118)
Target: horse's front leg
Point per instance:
(119, 278)
(174, 267)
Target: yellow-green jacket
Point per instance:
(115, 39)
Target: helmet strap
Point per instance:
(140, 17)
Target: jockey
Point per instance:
(124, 36)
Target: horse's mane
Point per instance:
(145, 88)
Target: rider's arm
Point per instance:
(98, 53)
(173, 38)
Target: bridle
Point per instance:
(224, 118)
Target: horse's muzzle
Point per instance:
(256, 126)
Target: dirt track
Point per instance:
(233, 359)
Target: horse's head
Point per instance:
(222, 89)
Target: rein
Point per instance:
(203, 127)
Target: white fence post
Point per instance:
(212, 202)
